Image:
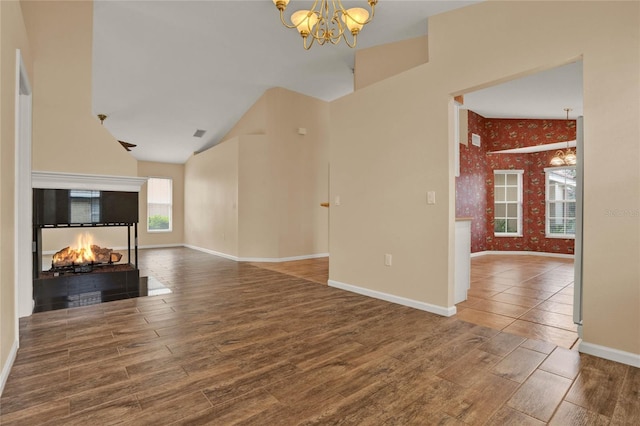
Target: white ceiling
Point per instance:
(163, 69)
(545, 94)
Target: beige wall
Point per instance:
(257, 208)
(253, 122)
(67, 136)
(13, 36)
(380, 62)
(282, 177)
(176, 173)
(211, 199)
(301, 165)
(385, 158)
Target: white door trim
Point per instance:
(23, 194)
(578, 250)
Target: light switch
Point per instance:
(431, 197)
(387, 259)
(337, 200)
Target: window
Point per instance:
(84, 206)
(159, 204)
(560, 183)
(507, 206)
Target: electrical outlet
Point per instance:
(387, 259)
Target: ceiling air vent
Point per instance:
(199, 133)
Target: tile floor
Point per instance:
(530, 296)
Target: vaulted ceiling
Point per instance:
(164, 69)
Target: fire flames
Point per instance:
(85, 252)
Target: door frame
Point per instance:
(23, 274)
(578, 249)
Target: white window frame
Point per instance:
(519, 174)
(170, 205)
(547, 202)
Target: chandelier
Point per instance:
(567, 157)
(327, 21)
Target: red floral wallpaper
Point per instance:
(471, 197)
(474, 186)
(518, 133)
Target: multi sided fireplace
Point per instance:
(89, 274)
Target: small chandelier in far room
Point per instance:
(566, 157)
(326, 23)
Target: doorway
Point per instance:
(513, 129)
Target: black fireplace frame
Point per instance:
(53, 208)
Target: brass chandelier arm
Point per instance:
(564, 158)
(290, 26)
(354, 40)
(304, 42)
(327, 21)
(353, 18)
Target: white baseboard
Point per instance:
(6, 368)
(522, 253)
(213, 252)
(434, 309)
(283, 259)
(610, 354)
(257, 259)
(152, 246)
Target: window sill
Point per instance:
(561, 237)
(158, 231)
(507, 235)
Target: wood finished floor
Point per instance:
(239, 344)
(316, 270)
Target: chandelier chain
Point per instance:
(567, 157)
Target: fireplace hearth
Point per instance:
(104, 283)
